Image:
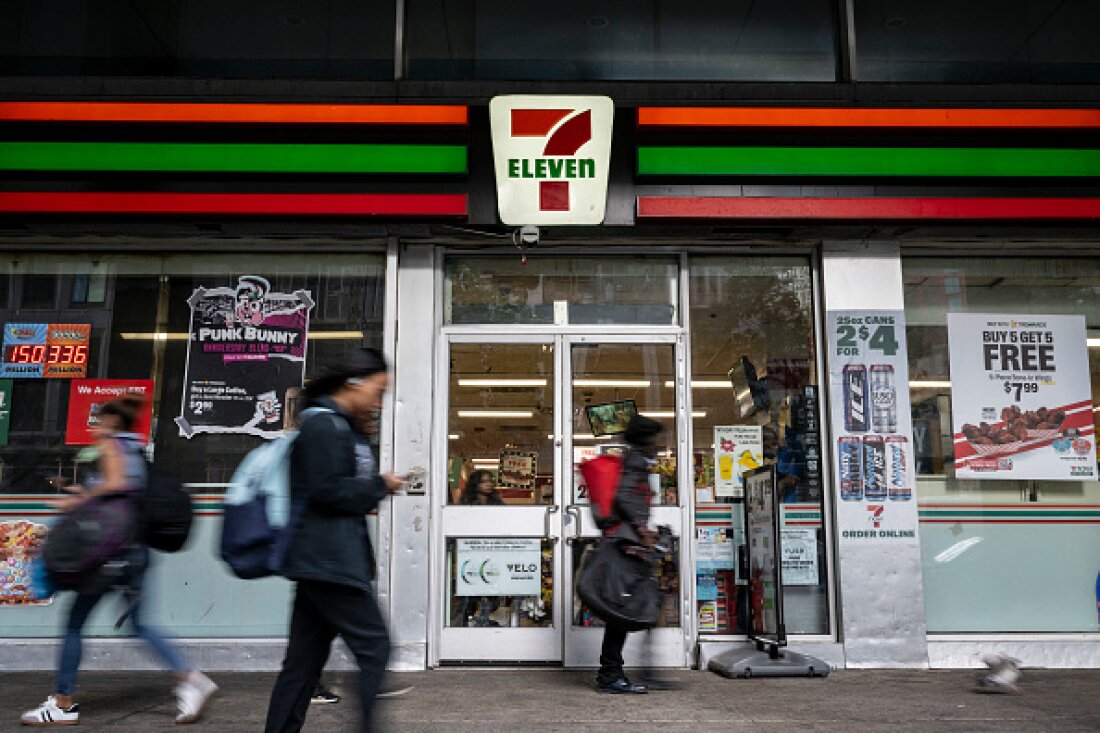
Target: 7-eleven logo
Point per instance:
(876, 514)
(551, 156)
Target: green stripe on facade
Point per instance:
(935, 162)
(233, 157)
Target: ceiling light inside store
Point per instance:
(495, 413)
(701, 413)
(611, 383)
(156, 336)
(929, 384)
(335, 335)
(502, 383)
(485, 461)
(1093, 343)
(453, 436)
(704, 384)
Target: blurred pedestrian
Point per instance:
(630, 525)
(119, 469)
(335, 478)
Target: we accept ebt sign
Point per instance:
(1021, 400)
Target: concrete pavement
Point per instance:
(469, 700)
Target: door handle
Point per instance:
(574, 511)
(550, 510)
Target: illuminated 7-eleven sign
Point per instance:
(551, 156)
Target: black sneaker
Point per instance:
(621, 686)
(324, 696)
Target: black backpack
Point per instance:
(166, 513)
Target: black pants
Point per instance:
(321, 612)
(611, 653)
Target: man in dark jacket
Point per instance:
(631, 524)
(329, 552)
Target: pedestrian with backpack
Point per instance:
(628, 528)
(328, 552)
(120, 474)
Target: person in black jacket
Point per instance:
(631, 525)
(329, 553)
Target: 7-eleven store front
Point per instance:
(703, 297)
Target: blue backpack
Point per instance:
(259, 519)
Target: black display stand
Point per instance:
(766, 630)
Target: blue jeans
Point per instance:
(71, 647)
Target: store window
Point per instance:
(203, 38)
(561, 291)
(754, 391)
(78, 329)
(138, 317)
(1005, 554)
(740, 40)
(977, 42)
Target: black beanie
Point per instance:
(641, 430)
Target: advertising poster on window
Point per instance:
(760, 528)
(45, 350)
(5, 409)
(85, 397)
(247, 349)
(714, 548)
(517, 469)
(20, 543)
(872, 426)
(1021, 399)
(498, 567)
(737, 448)
(799, 556)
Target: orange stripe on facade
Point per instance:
(298, 114)
(852, 117)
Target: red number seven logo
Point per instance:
(566, 141)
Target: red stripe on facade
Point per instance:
(986, 520)
(536, 122)
(717, 207)
(293, 204)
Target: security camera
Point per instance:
(529, 235)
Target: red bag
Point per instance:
(601, 476)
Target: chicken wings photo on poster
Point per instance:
(247, 348)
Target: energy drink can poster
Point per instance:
(874, 473)
(247, 350)
(1021, 397)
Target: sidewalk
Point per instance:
(468, 701)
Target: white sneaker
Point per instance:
(192, 697)
(48, 713)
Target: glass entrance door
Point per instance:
(609, 378)
(515, 520)
(501, 516)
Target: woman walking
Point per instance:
(334, 483)
(120, 469)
